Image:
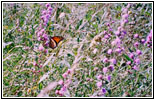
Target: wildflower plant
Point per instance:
(106, 51)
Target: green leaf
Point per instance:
(127, 58)
(20, 93)
(78, 25)
(40, 86)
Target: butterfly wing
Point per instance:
(54, 41)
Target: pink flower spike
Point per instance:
(99, 84)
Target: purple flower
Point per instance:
(69, 71)
(149, 39)
(128, 6)
(124, 32)
(39, 38)
(136, 36)
(57, 92)
(39, 34)
(125, 16)
(117, 42)
(110, 29)
(61, 82)
(125, 10)
(119, 28)
(126, 20)
(99, 84)
(41, 48)
(138, 52)
(111, 67)
(34, 63)
(44, 12)
(45, 21)
(117, 33)
(137, 61)
(64, 75)
(118, 50)
(136, 44)
(105, 69)
(109, 51)
(142, 41)
(105, 60)
(129, 62)
(49, 9)
(135, 68)
(105, 32)
(113, 61)
(64, 88)
(106, 36)
(47, 5)
(44, 24)
(108, 77)
(99, 77)
(131, 55)
(41, 66)
(49, 12)
(42, 17)
(107, 24)
(45, 36)
(47, 16)
(104, 90)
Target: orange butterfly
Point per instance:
(54, 41)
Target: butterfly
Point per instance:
(54, 41)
